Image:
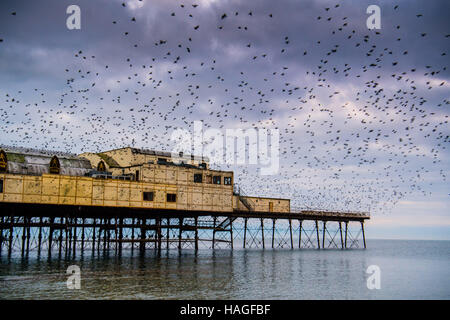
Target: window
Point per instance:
(198, 177)
(217, 179)
(55, 166)
(148, 196)
(208, 178)
(137, 175)
(1, 185)
(171, 197)
(227, 180)
(202, 165)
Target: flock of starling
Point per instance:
(362, 123)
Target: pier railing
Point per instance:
(326, 212)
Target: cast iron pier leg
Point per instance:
(364, 236)
(318, 237)
(180, 230)
(196, 233)
(290, 231)
(346, 228)
(262, 233)
(40, 236)
(245, 231)
(273, 233)
(300, 234)
(323, 237)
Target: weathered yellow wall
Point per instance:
(263, 204)
(73, 190)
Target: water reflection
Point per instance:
(226, 274)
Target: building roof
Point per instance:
(37, 162)
(158, 153)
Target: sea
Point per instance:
(387, 269)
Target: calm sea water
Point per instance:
(409, 270)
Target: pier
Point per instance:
(71, 230)
(139, 199)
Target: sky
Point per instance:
(362, 114)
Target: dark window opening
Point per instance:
(164, 160)
(137, 175)
(1, 185)
(217, 179)
(148, 196)
(227, 180)
(198, 177)
(202, 165)
(171, 197)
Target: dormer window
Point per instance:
(55, 167)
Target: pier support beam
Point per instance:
(1, 237)
(83, 221)
(214, 233)
(93, 235)
(168, 234)
(132, 235)
(40, 236)
(340, 231)
(273, 232)
(180, 233)
(323, 231)
(317, 232)
(11, 232)
(159, 234)
(290, 231)
(74, 249)
(196, 233)
(262, 233)
(120, 235)
(364, 236)
(300, 234)
(24, 232)
(50, 237)
(346, 229)
(245, 231)
(231, 233)
(143, 231)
